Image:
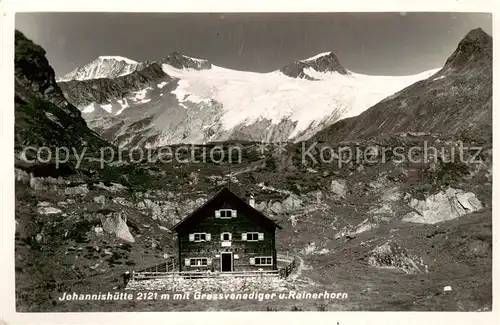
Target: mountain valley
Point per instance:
(390, 233)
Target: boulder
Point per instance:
(22, 176)
(49, 210)
(194, 178)
(115, 187)
(323, 251)
(365, 225)
(45, 208)
(116, 224)
(468, 202)
(445, 205)
(100, 199)
(276, 207)
(36, 183)
(293, 202)
(77, 190)
(318, 195)
(391, 255)
(338, 187)
(122, 201)
(309, 249)
(39, 237)
(261, 206)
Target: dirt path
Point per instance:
(298, 270)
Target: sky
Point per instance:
(369, 43)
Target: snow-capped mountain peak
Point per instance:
(103, 67)
(181, 61)
(317, 56)
(117, 58)
(111, 67)
(314, 67)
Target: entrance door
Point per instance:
(226, 262)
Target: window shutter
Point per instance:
(244, 236)
(208, 237)
(209, 261)
(252, 261)
(217, 213)
(186, 261)
(233, 213)
(221, 236)
(230, 236)
(261, 236)
(191, 237)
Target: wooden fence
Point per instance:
(168, 270)
(198, 274)
(285, 272)
(169, 266)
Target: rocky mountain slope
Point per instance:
(456, 100)
(424, 226)
(193, 101)
(103, 67)
(43, 116)
(48, 239)
(88, 91)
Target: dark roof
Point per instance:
(225, 195)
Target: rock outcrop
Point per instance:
(43, 116)
(338, 187)
(325, 62)
(391, 255)
(445, 205)
(116, 224)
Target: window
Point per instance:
(264, 260)
(199, 237)
(203, 261)
(225, 236)
(225, 213)
(252, 236)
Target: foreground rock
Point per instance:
(117, 224)
(338, 187)
(77, 190)
(45, 208)
(391, 255)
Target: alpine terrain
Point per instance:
(388, 199)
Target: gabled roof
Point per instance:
(225, 195)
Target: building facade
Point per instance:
(226, 234)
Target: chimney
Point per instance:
(251, 202)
